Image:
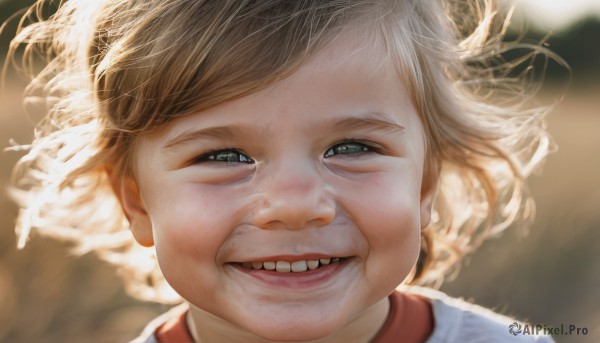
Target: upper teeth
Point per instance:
(286, 267)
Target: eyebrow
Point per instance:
(219, 132)
(371, 121)
(375, 121)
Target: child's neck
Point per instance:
(206, 328)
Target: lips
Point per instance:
(294, 266)
(289, 272)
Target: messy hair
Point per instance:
(118, 69)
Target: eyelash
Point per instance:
(211, 156)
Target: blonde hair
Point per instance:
(116, 69)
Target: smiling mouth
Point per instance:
(298, 266)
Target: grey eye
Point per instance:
(348, 148)
(227, 156)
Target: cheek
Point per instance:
(386, 209)
(384, 200)
(190, 225)
(392, 226)
(393, 234)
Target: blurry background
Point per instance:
(550, 276)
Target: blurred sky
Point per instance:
(558, 14)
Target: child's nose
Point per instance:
(294, 197)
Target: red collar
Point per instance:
(410, 318)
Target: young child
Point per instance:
(282, 165)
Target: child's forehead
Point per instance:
(344, 60)
(347, 70)
(355, 57)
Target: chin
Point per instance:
(297, 335)
(295, 331)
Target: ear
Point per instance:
(128, 193)
(428, 194)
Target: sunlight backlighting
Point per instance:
(558, 14)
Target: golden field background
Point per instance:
(550, 276)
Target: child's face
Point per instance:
(325, 164)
